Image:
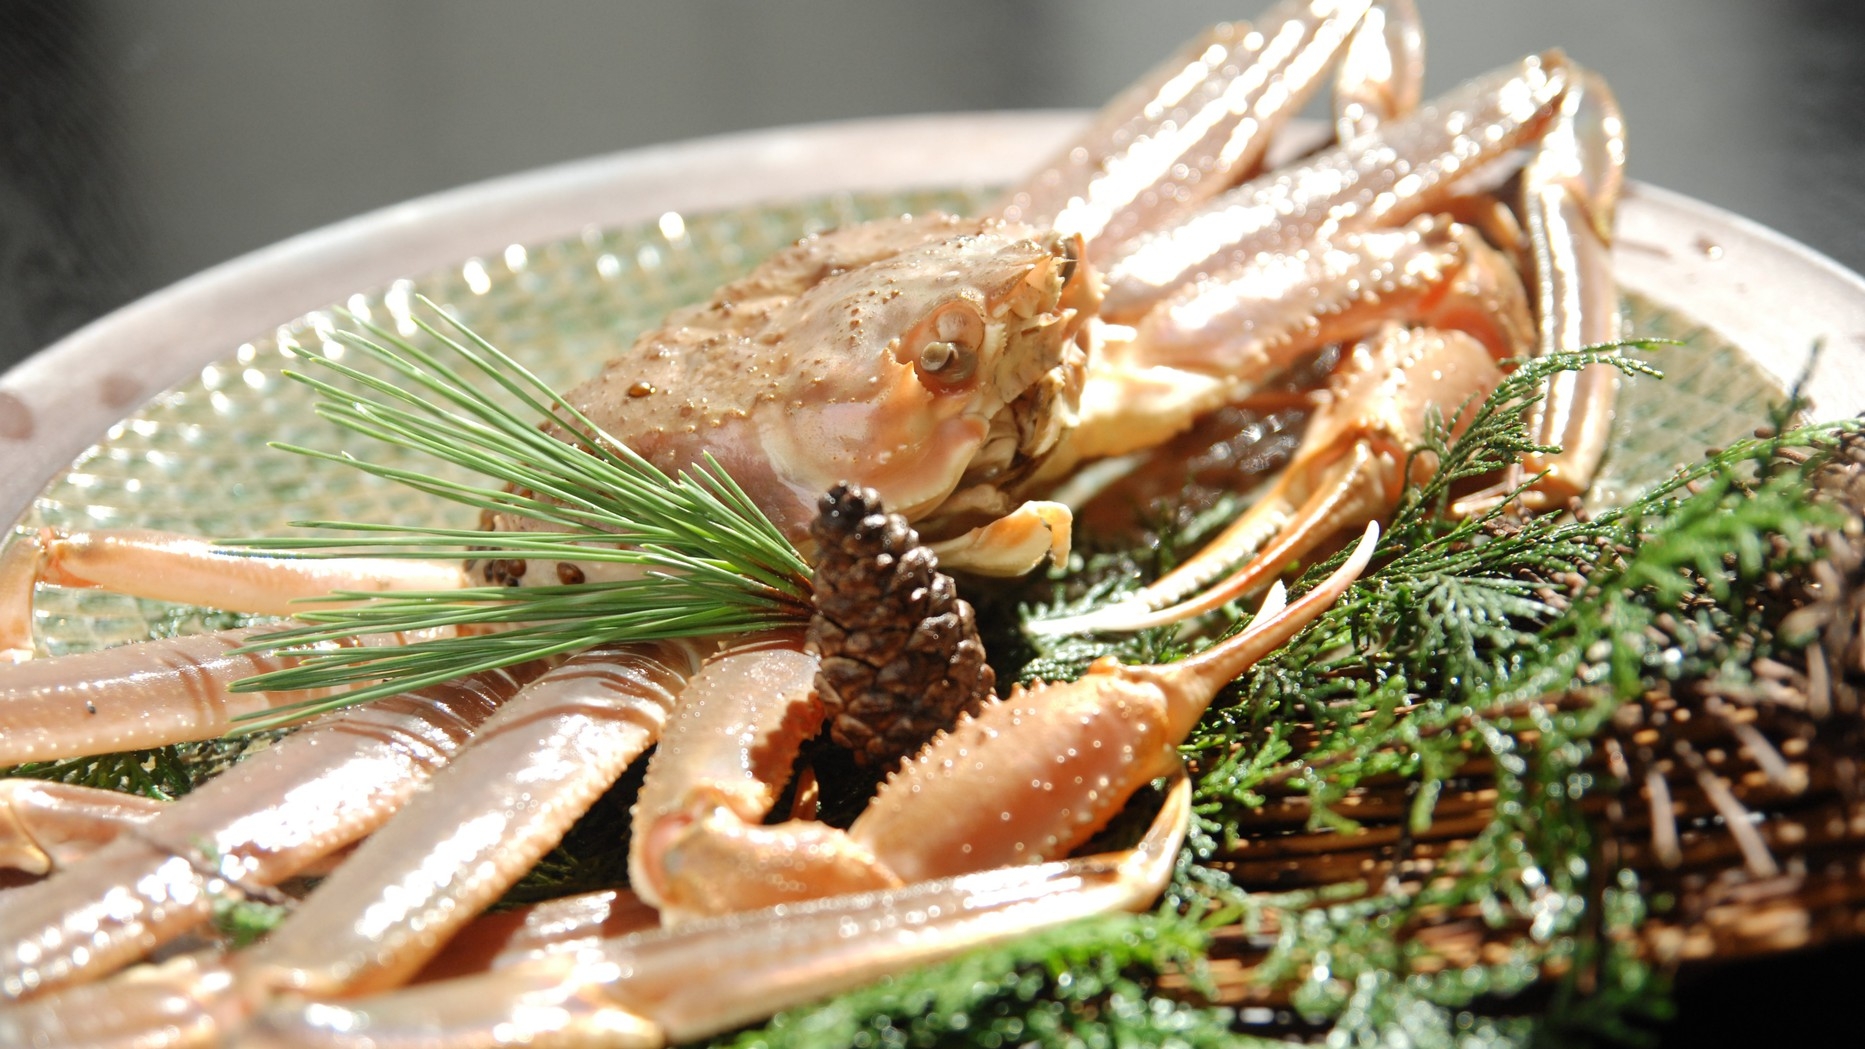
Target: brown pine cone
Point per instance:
(900, 652)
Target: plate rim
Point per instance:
(1770, 296)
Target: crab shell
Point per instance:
(933, 358)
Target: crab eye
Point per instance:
(950, 340)
(936, 356)
(1071, 249)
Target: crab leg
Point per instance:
(1401, 169)
(1570, 191)
(1216, 343)
(727, 758)
(639, 989)
(45, 826)
(1382, 76)
(146, 694)
(653, 988)
(1028, 779)
(568, 924)
(721, 767)
(455, 848)
(256, 824)
(1201, 121)
(133, 696)
(1349, 471)
(165, 566)
(194, 1000)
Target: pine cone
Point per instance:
(900, 652)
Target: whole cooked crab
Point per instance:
(961, 367)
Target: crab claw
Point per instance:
(1027, 779)
(1350, 470)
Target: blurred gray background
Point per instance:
(145, 141)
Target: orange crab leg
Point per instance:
(640, 989)
(164, 566)
(264, 820)
(498, 939)
(660, 987)
(487, 818)
(1570, 191)
(1202, 121)
(1382, 75)
(1217, 342)
(1385, 177)
(1350, 470)
(147, 694)
(46, 825)
(1028, 779)
(722, 764)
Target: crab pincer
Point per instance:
(968, 843)
(1026, 779)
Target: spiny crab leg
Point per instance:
(1401, 169)
(1201, 121)
(639, 989)
(146, 694)
(186, 570)
(254, 825)
(1028, 779)
(484, 821)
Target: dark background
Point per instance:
(145, 141)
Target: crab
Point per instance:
(961, 367)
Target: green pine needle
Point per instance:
(710, 562)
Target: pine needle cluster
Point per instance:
(708, 561)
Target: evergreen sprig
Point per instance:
(707, 560)
(1506, 645)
